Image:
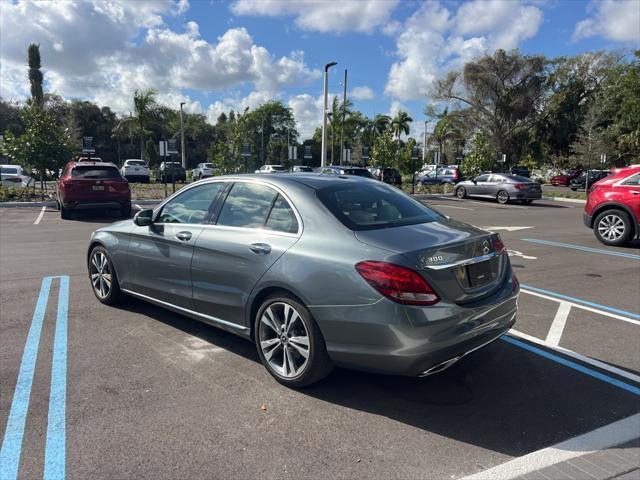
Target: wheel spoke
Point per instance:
(301, 344)
(269, 320)
(287, 314)
(94, 260)
(269, 353)
(294, 318)
(288, 364)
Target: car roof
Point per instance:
(92, 163)
(310, 179)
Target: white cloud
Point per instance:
(361, 93)
(322, 15)
(127, 46)
(435, 39)
(617, 20)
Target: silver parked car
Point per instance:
(318, 270)
(501, 187)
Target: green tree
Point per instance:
(384, 149)
(503, 94)
(479, 159)
(43, 145)
(35, 75)
(400, 124)
(591, 141)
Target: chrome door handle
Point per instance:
(260, 248)
(183, 236)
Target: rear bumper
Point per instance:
(587, 220)
(95, 205)
(137, 176)
(395, 339)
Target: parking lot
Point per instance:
(149, 393)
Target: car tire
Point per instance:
(613, 227)
(461, 192)
(305, 361)
(65, 213)
(502, 197)
(103, 278)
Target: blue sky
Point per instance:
(217, 55)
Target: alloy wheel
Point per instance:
(503, 197)
(284, 340)
(100, 273)
(611, 227)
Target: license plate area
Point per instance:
(479, 274)
(97, 187)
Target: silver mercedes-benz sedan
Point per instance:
(501, 187)
(318, 270)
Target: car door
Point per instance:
(159, 255)
(255, 226)
(630, 195)
(494, 184)
(477, 185)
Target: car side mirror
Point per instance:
(474, 181)
(143, 218)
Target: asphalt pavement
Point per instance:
(151, 394)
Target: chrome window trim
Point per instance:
(237, 180)
(186, 310)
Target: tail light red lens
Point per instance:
(400, 284)
(498, 245)
(456, 174)
(520, 186)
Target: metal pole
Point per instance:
(344, 102)
(262, 141)
(424, 141)
(323, 153)
(184, 159)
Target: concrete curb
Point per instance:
(562, 199)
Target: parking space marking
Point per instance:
(450, 206)
(608, 436)
(14, 431)
(582, 248)
(559, 321)
(138, 206)
(616, 313)
(584, 359)
(54, 454)
(568, 363)
(37, 221)
(508, 229)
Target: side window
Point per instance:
(495, 179)
(192, 206)
(482, 178)
(282, 218)
(247, 205)
(633, 180)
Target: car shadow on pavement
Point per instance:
(96, 216)
(501, 398)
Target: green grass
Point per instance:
(152, 191)
(567, 194)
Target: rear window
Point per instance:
(137, 163)
(371, 207)
(9, 171)
(207, 165)
(518, 178)
(359, 172)
(91, 171)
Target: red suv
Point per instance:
(92, 185)
(613, 207)
(565, 177)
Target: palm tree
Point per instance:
(400, 124)
(375, 127)
(144, 107)
(335, 118)
(448, 130)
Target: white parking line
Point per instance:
(557, 326)
(138, 207)
(583, 307)
(577, 356)
(450, 206)
(40, 216)
(615, 433)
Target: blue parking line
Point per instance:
(582, 248)
(560, 296)
(54, 454)
(14, 431)
(567, 363)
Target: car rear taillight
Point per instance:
(498, 245)
(520, 186)
(400, 284)
(456, 175)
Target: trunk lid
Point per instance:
(459, 260)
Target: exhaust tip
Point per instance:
(439, 367)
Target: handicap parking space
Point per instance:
(151, 394)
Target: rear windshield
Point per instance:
(137, 163)
(208, 165)
(374, 206)
(90, 171)
(277, 167)
(360, 172)
(9, 171)
(518, 178)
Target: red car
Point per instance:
(613, 207)
(92, 185)
(564, 178)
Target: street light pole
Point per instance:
(184, 159)
(323, 153)
(424, 141)
(344, 102)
